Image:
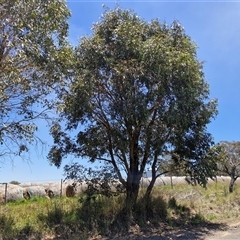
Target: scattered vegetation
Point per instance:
(15, 182)
(84, 216)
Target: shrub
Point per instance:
(15, 182)
(152, 209)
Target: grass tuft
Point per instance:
(79, 217)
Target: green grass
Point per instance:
(184, 204)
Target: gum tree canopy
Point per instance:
(138, 93)
(32, 49)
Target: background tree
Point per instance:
(138, 92)
(229, 163)
(15, 182)
(196, 156)
(33, 52)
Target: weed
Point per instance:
(211, 216)
(172, 203)
(6, 227)
(100, 214)
(153, 209)
(198, 218)
(54, 215)
(225, 191)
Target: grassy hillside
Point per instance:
(41, 218)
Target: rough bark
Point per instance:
(233, 179)
(132, 190)
(149, 189)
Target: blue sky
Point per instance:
(213, 25)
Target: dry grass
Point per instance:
(177, 206)
(215, 203)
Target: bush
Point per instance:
(153, 209)
(15, 182)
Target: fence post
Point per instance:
(61, 188)
(5, 193)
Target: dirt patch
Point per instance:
(165, 232)
(204, 231)
(231, 232)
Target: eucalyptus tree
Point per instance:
(33, 50)
(138, 92)
(229, 161)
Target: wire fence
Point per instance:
(12, 192)
(5, 192)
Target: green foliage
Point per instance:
(153, 209)
(229, 161)
(98, 212)
(198, 218)
(172, 203)
(229, 158)
(33, 53)
(138, 92)
(54, 215)
(69, 218)
(101, 180)
(199, 162)
(14, 182)
(6, 226)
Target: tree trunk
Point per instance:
(149, 189)
(231, 185)
(233, 179)
(132, 190)
(153, 180)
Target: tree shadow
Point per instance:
(155, 224)
(188, 232)
(148, 222)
